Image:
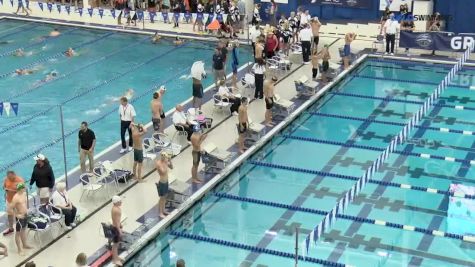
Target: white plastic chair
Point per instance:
(40, 231)
(106, 175)
(273, 66)
(88, 185)
(220, 103)
(180, 131)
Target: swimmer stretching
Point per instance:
(50, 76)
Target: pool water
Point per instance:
(87, 86)
(359, 117)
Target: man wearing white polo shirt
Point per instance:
(390, 29)
(127, 116)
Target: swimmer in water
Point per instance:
(52, 75)
(70, 52)
(19, 53)
(24, 71)
(54, 33)
(178, 41)
(156, 38)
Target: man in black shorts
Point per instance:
(198, 87)
(269, 99)
(137, 133)
(243, 123)
(157, 110)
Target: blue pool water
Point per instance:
(344, 134)
(108, 64)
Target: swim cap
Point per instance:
(165, 154)
(20, 186)
(116, 199)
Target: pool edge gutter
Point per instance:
(198, 195)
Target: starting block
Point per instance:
(214, 159)
(282, 108)
(305, 86)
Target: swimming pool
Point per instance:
(250, 219)
(108, 64)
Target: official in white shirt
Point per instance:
(180, 121)
(127, 115)
(259, 70)
(61, 201)
(390, 29)
(306, 37)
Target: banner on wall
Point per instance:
(394, 4)
(339, 3)
(277, 1)
(442, 41)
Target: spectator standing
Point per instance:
(306, 37)
(256, 17)
(127, 115)
(272, 43)
(86, 145)
(61, 200)
(199, 18)
(43, 177)
(259, 69)
(235, 63)
(273, 13)
(407, 25)
(9, 186)
(390, 29)
(176, 14)
(434, 25)
(218, 66)
(242, 14)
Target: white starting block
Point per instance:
(282, 107)
(214, 159)
(254, 133)
(305, 86)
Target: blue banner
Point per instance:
(101, 12)
(113, 13)
(140, 14)
(40, 5)
(219, 17)
(442, 41)
(68, 9)
(1, 108)
(366, 4)
(80, 11)
(187, 17)
(152, 16)
(14, 107)
(58, 6)
(90, 10)
(11, 2)
(199, 16)
(50, 6)
(176, 16)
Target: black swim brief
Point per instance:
(269, 102)
(325, 66)
(196, 157)
(242, 127)
(162, 188)
(116, 238)
(21, 223)
(138, 155)
(156, 124)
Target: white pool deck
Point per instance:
(141, 197)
